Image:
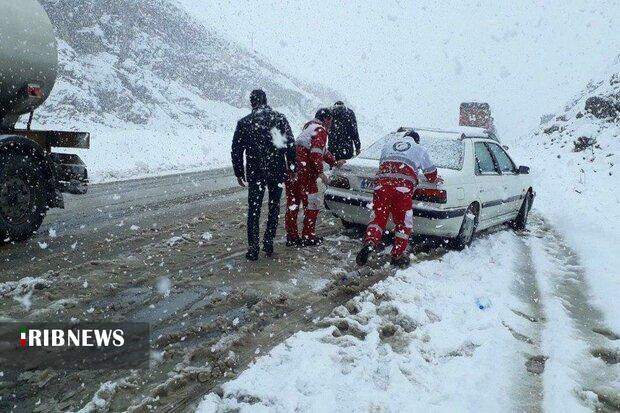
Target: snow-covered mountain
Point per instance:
(574, 158)
(149, 63)
(159, 91)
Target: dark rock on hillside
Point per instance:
(582, 143)
(603, 107)
(551, 129)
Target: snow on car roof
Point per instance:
(458, 131)
(446, 152)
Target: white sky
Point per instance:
(406, 62)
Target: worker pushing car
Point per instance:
(302, 188)
(402, 157)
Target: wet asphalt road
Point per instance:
(107, 212)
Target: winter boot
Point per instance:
(364, 254)
(293, 242)
(268, 249)
(311, 241)
(252, 254)
(402, 261)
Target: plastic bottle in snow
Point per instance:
(483, 303)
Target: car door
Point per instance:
(509, 188)
(488, 180)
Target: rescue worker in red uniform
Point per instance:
(301, 188)
(402, 157)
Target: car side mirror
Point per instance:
(524, 169)
(505, 147)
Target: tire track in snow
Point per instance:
(580, 347)
(529, 390)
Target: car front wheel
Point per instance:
(521, 221)
(467, 230)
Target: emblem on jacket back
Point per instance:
(401, 146)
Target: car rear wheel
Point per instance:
(467, 230)
(22, 197)
(521, 221)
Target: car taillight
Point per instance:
(340, 182)
(438, 196)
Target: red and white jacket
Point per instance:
(402, 158)
(312, 149)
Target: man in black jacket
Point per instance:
(266, 138)
(344, 140)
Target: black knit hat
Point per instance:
(413, 134)
(323, 114)
(257, 98)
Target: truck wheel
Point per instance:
(520, 221)
(22, 197)
(467, 231)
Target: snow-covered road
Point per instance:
(583, 352)
(506, 325)
(168, 251)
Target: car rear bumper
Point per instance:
(356, 207)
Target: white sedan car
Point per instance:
(482, 186)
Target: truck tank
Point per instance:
(28, 59)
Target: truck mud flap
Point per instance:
(71, 173)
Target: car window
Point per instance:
(484, 160)
(503, 160)
(374, 150)
(445, 153)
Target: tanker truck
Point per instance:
(33, 178)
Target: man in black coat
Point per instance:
(266, 138)
(344, 140)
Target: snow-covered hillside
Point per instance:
(147, 66)
(574, 159)
(147, 62)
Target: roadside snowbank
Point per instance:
(118, 154)
(137, 153)
(579, 191)
(416, 341)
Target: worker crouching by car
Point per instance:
(401, 158)
(302, 188)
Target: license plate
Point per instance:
(367, 184)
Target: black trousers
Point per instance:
(256, 193)
(343, 152)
